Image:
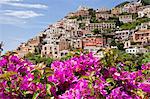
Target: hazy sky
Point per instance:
(24, 19)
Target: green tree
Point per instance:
(36, 58)
(80, 18)
(96, 31)
(145, 2)
(120, 46)
(113, 43)
(146, 58)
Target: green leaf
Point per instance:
(7, 74)
(8, 83)
(126, 68)
(108, 80)
(48, 86)
(48, 70)
(35, 96)
(84, 77)
(26, 92)
(92, 89)
(7, 89)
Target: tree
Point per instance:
(92, 12)
(36, 58)
(146, 58)
(113, 43)
(145, 2)
(120, 46)
(96, 31)
(80, 18)
(81, 25)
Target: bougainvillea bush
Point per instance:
(76, 78)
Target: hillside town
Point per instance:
(124, 27)
(89, 54)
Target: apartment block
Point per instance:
(125, 18)
(100, 26)
(124, 34)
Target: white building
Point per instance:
(136, 50)
(144, 12)
(124, 34)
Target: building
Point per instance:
(82, 11)
(144, 11)
(125, 18)
(124, 34)
(144, 26)
(31, 46)
(131, 7)
(76, 43)
(54, 47)
(136, 50)
(116, 11)
(103, 10)
(101, 26)
(92, 44)
(103, 16)
(141, 36)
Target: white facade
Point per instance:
(93, 49)
(145, 12)
(124, 34)
(136, 50)
(76, 43)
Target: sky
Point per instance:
(21, 20)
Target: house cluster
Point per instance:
(92, 30)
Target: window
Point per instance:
(45, 48)
(57, 43)
(62, 54)
(55, 52)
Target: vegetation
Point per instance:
(117, 75)
(36, 58)
(119, 45)
(81, 25)
(92, 12)
(113, 56)
(73, 17)
(80, 18)
(132, 25)
(96, 31)
(145, 2)
(94, 20)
